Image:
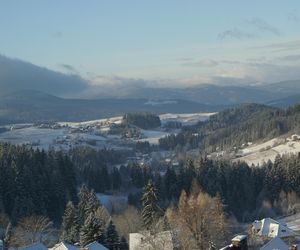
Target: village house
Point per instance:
(271, 228)
(147, 241)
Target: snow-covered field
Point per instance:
(262, 152)
(153, 136)
(61, 138)
(113, 202)
(32, 136)
(90, 133)
(100, 122)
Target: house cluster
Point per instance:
(266, 234)
(269, 235)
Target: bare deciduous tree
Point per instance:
(128, 222)
(32, 229)
(199, 220)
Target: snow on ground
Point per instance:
(153, 136)
(32, 136)
(259, 153)
(89, 133)
(44, 138)
(112, 202)
(185, 119)
(116, 120)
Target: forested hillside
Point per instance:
(235, 126)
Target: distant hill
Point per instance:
(34, 106)
(285, 102)
(17, 75)
(205, 93)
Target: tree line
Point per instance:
(235, 126)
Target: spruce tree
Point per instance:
(151, 211)
(70, 226)
(92, 203)
(92, 230)
(112, 238)
(88, 203)
(83, 200)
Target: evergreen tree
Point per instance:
(151, 211)
(88, 203)
(112, 237)
(171, 183)
(70, 226)
(83, 200)
(92, 203)
(92, 230)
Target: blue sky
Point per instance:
(167, 42)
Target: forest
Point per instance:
(142, 120)
(235, 126)
(38, 183)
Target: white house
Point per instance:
(147, 241)
(275, 244)
(64, 246)
(271, 228)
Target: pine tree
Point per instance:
(151, 211)
(92, 203)
(88, 203)
(83, 200)
(92, 230)
(112, 237)
(70, 226)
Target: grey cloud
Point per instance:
(202, 63)
(236, 34)
(264, 26)
(184, 59)
(289, 58)
(18, 75)
(279, 47)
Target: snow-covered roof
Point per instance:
(35, 246)
(239, 238)
(272, 228)
(275, 244)
(64, 246)
(144, 240)
(95, 246)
